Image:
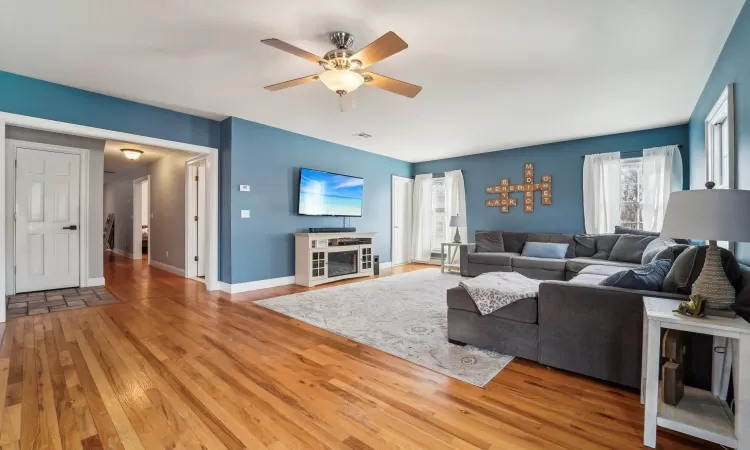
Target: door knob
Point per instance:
(72, 227)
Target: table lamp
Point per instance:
(457, 221)
(713, 215)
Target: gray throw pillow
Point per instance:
(514, 241)
(630, 248)
(604, 245)
(671, 252)
(585, 245)
(654, 247)
(689, 264)
(489, 241)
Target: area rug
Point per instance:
(404, 315)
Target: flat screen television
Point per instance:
(329, 194)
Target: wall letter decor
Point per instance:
(528, 188)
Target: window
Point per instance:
(439, 215)
(720, 153)
(631, 193)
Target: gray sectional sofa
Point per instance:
(574, 324)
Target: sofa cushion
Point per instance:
(588, 279)
(648, 277)
(530, 262)
(524, 310)
(604, 245)
(689, 264)
(630, 248)
(601, 270)
(545, 250)
(489, 241)
(577, 264)
(671, 252)
(585, 245)
(625, 230)
(514, 241)
(491, 259)
(556, 238)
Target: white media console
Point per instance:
(325, 257)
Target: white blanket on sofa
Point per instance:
(493, 290)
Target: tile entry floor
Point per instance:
(33, 303)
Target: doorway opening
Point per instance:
(141, 219)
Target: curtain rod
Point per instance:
(632, 151)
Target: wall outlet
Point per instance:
(245, 214)
(244, 188)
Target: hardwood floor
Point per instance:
(173, 366)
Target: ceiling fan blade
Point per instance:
(386, 45)
(291, 83)
(289, 48)
(392, 85)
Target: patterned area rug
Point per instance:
(404, 315)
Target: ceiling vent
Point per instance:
(363, 135)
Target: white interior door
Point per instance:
(201, 202)
(401, 219)
(47, 220)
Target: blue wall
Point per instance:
(37, 98)
(268, 159)
(562, 160)
(733, 66)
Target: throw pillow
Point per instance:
(689, 264)
(648, 277)
(489, 241)
(630, 248)
(585, 245)
(654, 247)
(514, 241)
(604, 245)
(545, 250)
(671, 252)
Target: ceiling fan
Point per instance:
(344, 69)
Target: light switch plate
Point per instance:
(244, 188)
(245, 214)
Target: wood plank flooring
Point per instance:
(173, 366)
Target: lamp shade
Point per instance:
(708, 214)
(341, 80)
(458, 221)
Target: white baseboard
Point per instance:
(386, 265)
(255, 285)
(95, 282)
(117, 251)
(168, 268)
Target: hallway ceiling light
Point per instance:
(131, 153)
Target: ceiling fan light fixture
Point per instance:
(341, 80)
(131, 153)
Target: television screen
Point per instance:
(329, 194)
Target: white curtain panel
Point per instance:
(601, 192)
(455, 202)
(662, 175)
(421, 218)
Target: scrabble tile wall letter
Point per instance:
(527, 188)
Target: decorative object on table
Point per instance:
(696, 307)
(713, 214)
(528, 188)
(673, 370)
(457, 222)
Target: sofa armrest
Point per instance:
(465, 249)
(593, 330)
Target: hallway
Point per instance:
(173, 366)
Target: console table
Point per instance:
(326, 257)
(702, 414)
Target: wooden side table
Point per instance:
(700, 413)
(448, 260)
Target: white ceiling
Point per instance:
(121, 167)
(496, 74)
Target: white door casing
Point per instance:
(401, 202)
(139, 185)
(201, 231)
(47, 220)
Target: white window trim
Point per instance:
(722, 110)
